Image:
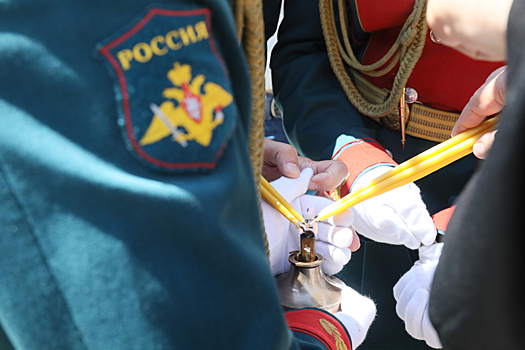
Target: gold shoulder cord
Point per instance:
(407, 49)
(250, 31)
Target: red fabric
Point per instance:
(378, 15)
(358, 156)
(442, 218)
(444, 78)
(319, 324)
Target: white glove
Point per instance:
(357, 313)
(333, 236)
(412, 292)
(396, 217)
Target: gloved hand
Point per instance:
(333, 236)
(412, 292)
(396, 217)
(357, 313)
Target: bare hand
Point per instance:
(476, 28)
(489, 99)
(281, 159)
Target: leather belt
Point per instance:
(422, 121)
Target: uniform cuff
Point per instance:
(319, 327)
(359, 156)
(442, 218)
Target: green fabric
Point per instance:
(98, 248)
(5, 344)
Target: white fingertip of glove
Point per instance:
(431, 336)
(424, 330)
(405, 289)
(335, 258)
(341, 237)
(412, 293)
(382, 223)
(357, 313)
(418, 220)
(415, 309)
(396, 217)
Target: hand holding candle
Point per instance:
(332, 237)
(489, 99)
(413, 169)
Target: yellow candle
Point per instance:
(387, 185)
(284, 202)
(467, 134)
(274, 202)
(399, 176)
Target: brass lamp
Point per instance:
(305, 285)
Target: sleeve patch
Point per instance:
(182, 118)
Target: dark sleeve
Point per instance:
(316, 110)
(477, 298)
(5, 343)
(271, 10)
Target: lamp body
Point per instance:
(305, 285)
